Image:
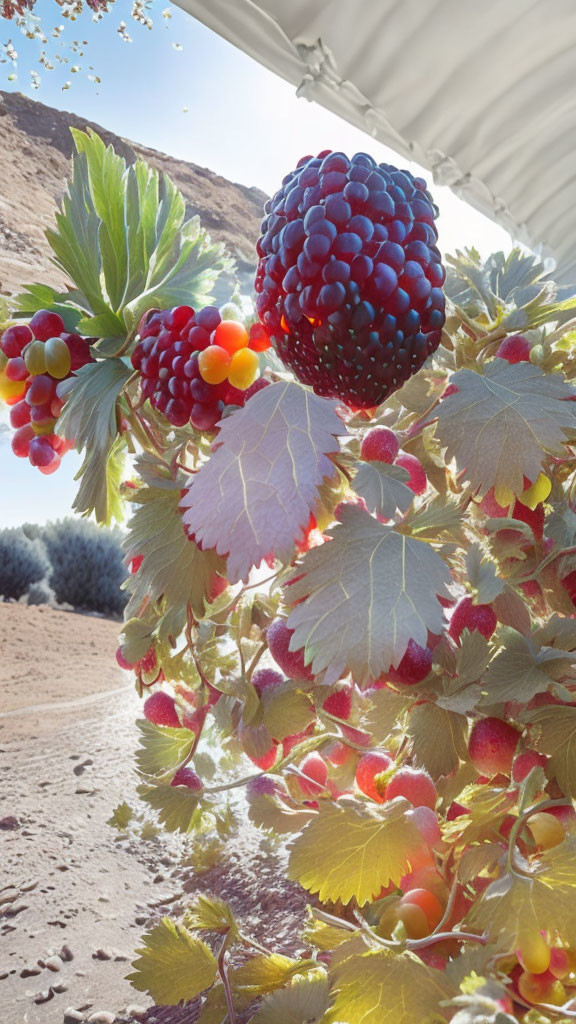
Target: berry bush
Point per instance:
(351, 590)
(87, 568)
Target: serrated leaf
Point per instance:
(348, 851)
(364, 596)
(498, 426)
(262, 974)
(521, 670)
(322, 935)
(287, 710)
(255, 495)
(473, 656)
(174, 572)
(173, 964)
(304, 1001)
(121, 817)
(486, 809)
(383, 488)
(268, 812)
(88, 419)
(177, 806)
(478, 859)
(512, 611)
(438, 738)
(482, 575)
(161, 747)
(439, 519)
(386, 988)
(210, 914)
(553, 732)
(387, 709)
(515, 908)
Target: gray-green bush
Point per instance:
(23, 561)
(87, 565)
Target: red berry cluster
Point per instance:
(350, 276)
(189, 360)
(37, 357)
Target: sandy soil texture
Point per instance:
(74, 896)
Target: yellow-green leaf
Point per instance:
(121, 817)
(553, 732)
(161, 747)
(211, 914)
(173, 964)
(349, 851)
(438, 738)
(176, 806)
(287, 710)
(303, 1001)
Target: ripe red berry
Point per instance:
(122, 661)
(524, 763)
(492, 746)
(414, 785)
(339, 703)
(187, 777)
(414, 666)
(417, 479)
(291, 662)
(45, 325)
(315, 768)
(534, 518)
(426, 821)
(267, 760)
(468, 615)
(368, 767)
(380, 445)
(265, 678)
(514, 349)
(349, 283)
(14, 339)
(160, 709)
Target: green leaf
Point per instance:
(515, 908)
(210, 914)
(553, 732)
(174, 572)
(387, 988)
(176, 806)
(267, 811)
(121, 817)
(521, 670)
(365, 595)
(438, 738)
(161, 747)
(89, 420)
(263, 974)
(482, 575)
(498, 426)
(387, 709)
(287, 710)
(255, 495)
(172, 965)
(304, 1001)
(324, 936)
(348, 851)
(383, 488)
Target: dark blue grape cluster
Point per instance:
(350, 277)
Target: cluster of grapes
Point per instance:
(193, 364)
(34, 358)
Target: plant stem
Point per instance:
(223, 972)
(544, 805)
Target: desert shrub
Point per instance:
(22, 561)
(40, 593)
(87, 565)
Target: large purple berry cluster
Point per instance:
(350, 277)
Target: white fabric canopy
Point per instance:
(481, 92)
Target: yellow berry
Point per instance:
(537, 493)
(231, 335)
(534, 952)
(213, 364)
(414, 920)
(58, 358)
(546, 830)
(11, 390)
(41, 429)
(35, 358)
(244, 368)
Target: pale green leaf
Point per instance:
(366, 594)
(323, 935)
(255, 495)
(211, 914)
(174, 572)
(387, 988)
(89, 420)
(387, 709)
(482, 575)
(500, 425)
(269, 812)
(161, 747)
(121, 817)
(521, 670)
(438, 738)
(287, 710)
(515, 908)
(177, 806)
(172, 965)
(383, 488)
(553, 732)
(351, 851)
(303, 1002)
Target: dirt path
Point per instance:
(68, 883)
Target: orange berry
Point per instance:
(11, 391)
(259, 340)
(244, 368)
(230, 335)
(427, 902)
(214, 363)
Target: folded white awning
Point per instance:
(483, 94)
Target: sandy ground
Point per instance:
(73, 895)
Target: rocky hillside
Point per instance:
(35, 151)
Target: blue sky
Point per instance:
(183, 90)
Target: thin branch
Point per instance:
(223, 972)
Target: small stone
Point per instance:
(60, 986)
(54, 963)
(120, 958)
(102, 1017)
(159, 878)
(30, 972)
(101, 954)
(83, 788)
(72, 1016)
(135, 1011)
(44, 997)
(141, 919)
(8, 823)
(66, 954)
